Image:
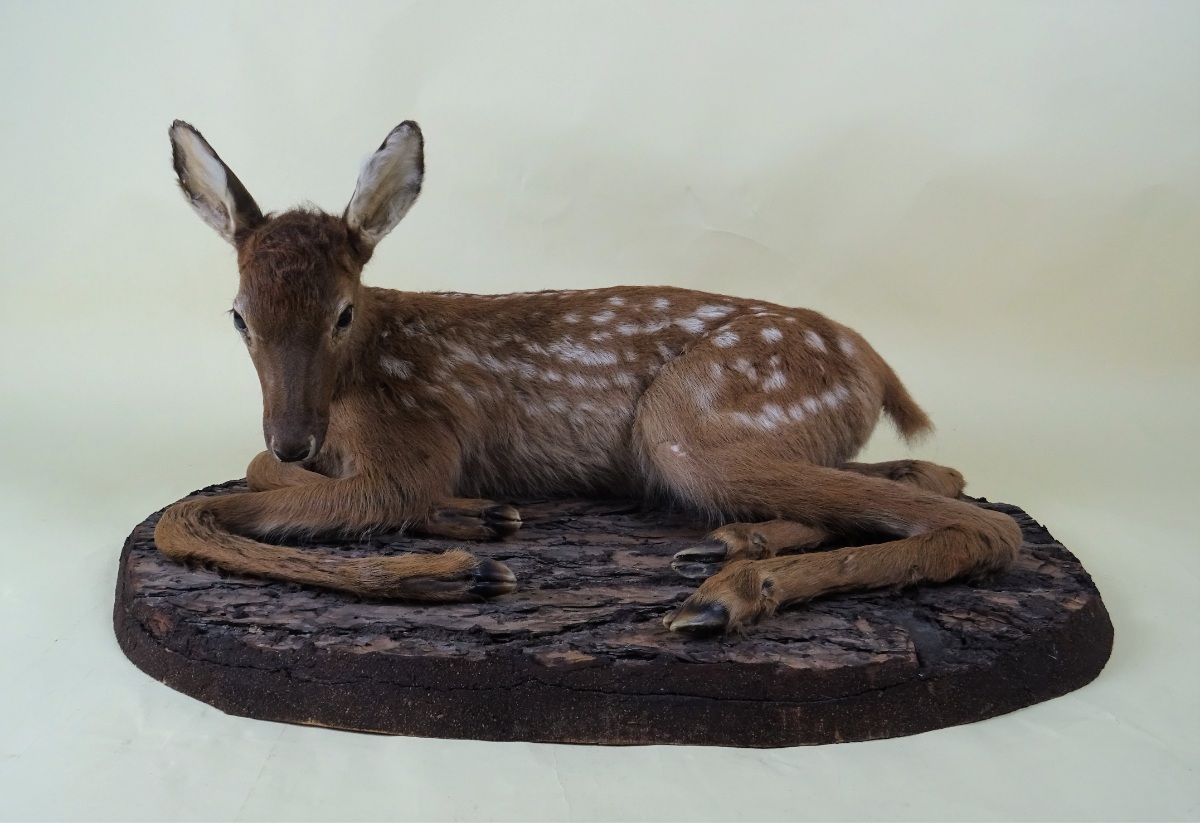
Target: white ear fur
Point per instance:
(388, 184)
(213, 190)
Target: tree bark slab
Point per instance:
(579, 654)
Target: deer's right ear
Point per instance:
(213, 190)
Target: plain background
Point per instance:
(1004, 197)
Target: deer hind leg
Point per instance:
(746, 541)
(931, 477)
(750, 432)
(940, 539)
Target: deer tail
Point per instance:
(909, 418)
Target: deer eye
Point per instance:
(238, 322)
(345, 318)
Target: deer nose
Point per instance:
(292, 452)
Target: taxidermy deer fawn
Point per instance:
(386, 410)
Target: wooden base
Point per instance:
(579, 653)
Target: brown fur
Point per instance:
(425, 406)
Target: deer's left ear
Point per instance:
(210, 186)
(388, 184)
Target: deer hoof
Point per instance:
(695, 571)
(503, 520)
(699, 621)
(709, 550)
(492, 579)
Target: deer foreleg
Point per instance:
(222, 531)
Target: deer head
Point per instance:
(300, 275)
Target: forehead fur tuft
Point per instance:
(302, 241)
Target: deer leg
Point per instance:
(468, 519)
(265, 473)
(746, 541)
(222, 531)
(931, 477)
(941, 538)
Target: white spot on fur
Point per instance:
(726, 339)
(678, 450)
(616, 301)
(774, 381)
(745, 367)
(628, 329)
(811, 405)
(795, 412)
(716, 371)
(630, 356)
(662, 303)
(772, 334)
(603, 317)
(691, 324)
(571, 352)
(847, 346)
(396, 367)
(815, 340)
(571, 317)
(600, 336)
(713, 312)
(665, 351)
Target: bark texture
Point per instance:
(579, 653)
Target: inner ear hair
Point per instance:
(211, 187)
(388, 184)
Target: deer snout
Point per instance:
(292, 452)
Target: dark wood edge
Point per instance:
(1044, 666)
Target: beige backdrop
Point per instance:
(1004, 197)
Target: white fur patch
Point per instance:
(603, 317)
(847, 346)
(662, 303)
(616, 301)
(726, 339)
(771, 334)
(774, 381)
(815, 340)
(692, 324)
(396, 367)
(713, 312)
(571, 352)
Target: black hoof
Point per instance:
(709, 550)
(702, 621)
(503, 520)
(492, 579)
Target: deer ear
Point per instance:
(388, 184)
(213, 190)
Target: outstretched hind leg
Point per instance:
(931, 477)
(940, 539)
